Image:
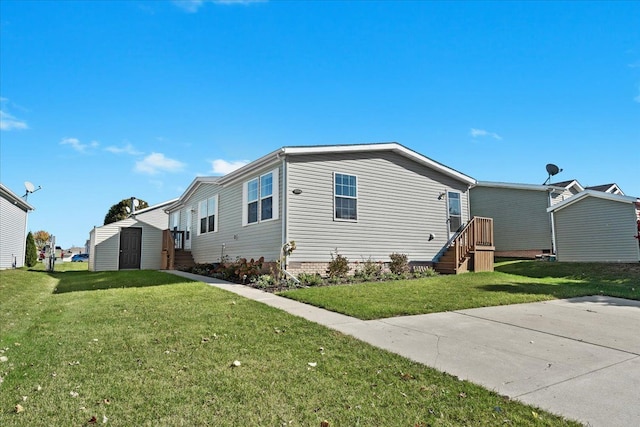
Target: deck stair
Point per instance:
(183, 260)
(471, 249)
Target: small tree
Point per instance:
(338, 266)
(31, 254)
(119, 212)
(41, 238)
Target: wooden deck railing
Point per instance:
(476, 237)
(168, 250)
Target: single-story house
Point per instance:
(131, 243)
(596, 226)
(522, 225)
(13, 228)
(365, 201)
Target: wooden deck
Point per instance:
(471, 250)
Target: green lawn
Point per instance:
(149, 349)
(513, 282)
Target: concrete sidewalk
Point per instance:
(579, 357)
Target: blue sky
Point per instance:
(102, 101)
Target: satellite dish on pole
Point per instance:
(30, 188)
(552, 170)
(136, 202)
(127, 209)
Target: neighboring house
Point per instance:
(607, 188)
(596, 226)
(521, 224)
(13, 228)
(132, 243)
(366, 201)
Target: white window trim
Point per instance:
(346, 197)
(275, 198)
(215, 220)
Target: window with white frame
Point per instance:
(208, 215)
(345, 189)
(260, 198)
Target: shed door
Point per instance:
(130, 248)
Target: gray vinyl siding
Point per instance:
(397, 207)
(232, 239)
(597, 230)
(13, 223)
(104, 253)
(520, 218)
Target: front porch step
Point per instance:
(183, 260)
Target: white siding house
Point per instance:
(596, 226)
(132, 243)
(13, 228)
(366, 201)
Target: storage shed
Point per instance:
(134, 243)
(594, 226)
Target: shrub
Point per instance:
(310, 279)
(31, 254)
(399, 263)
(339, 265)
(369, 270)
(424, 271)
(265, 281)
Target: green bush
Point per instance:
(310, 279)
(264, 281)
(399, 263)
(369, 270)
(422, 271)
(31, 254)
(339, 265)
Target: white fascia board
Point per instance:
(15, 199)
(516, 186)
(263, 161)
(156, 206)
(197, 182)
(591, 193)
(386, 146)
(575, 183)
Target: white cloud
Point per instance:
(482, 133)
(193, 6)
(7, 120)
(127, 149)
(157, 162)
(77, 145)
(223, 167)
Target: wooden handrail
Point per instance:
(477, 233)
(168, 249)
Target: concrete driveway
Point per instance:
(579, 357)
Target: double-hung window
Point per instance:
(260, 198)
(208, 215)
(345, 191)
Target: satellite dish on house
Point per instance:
(136, 202)
(30, 188)
(127, 209)
(552, 170)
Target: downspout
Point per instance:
(553, 227)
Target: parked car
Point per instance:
(80, 258)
